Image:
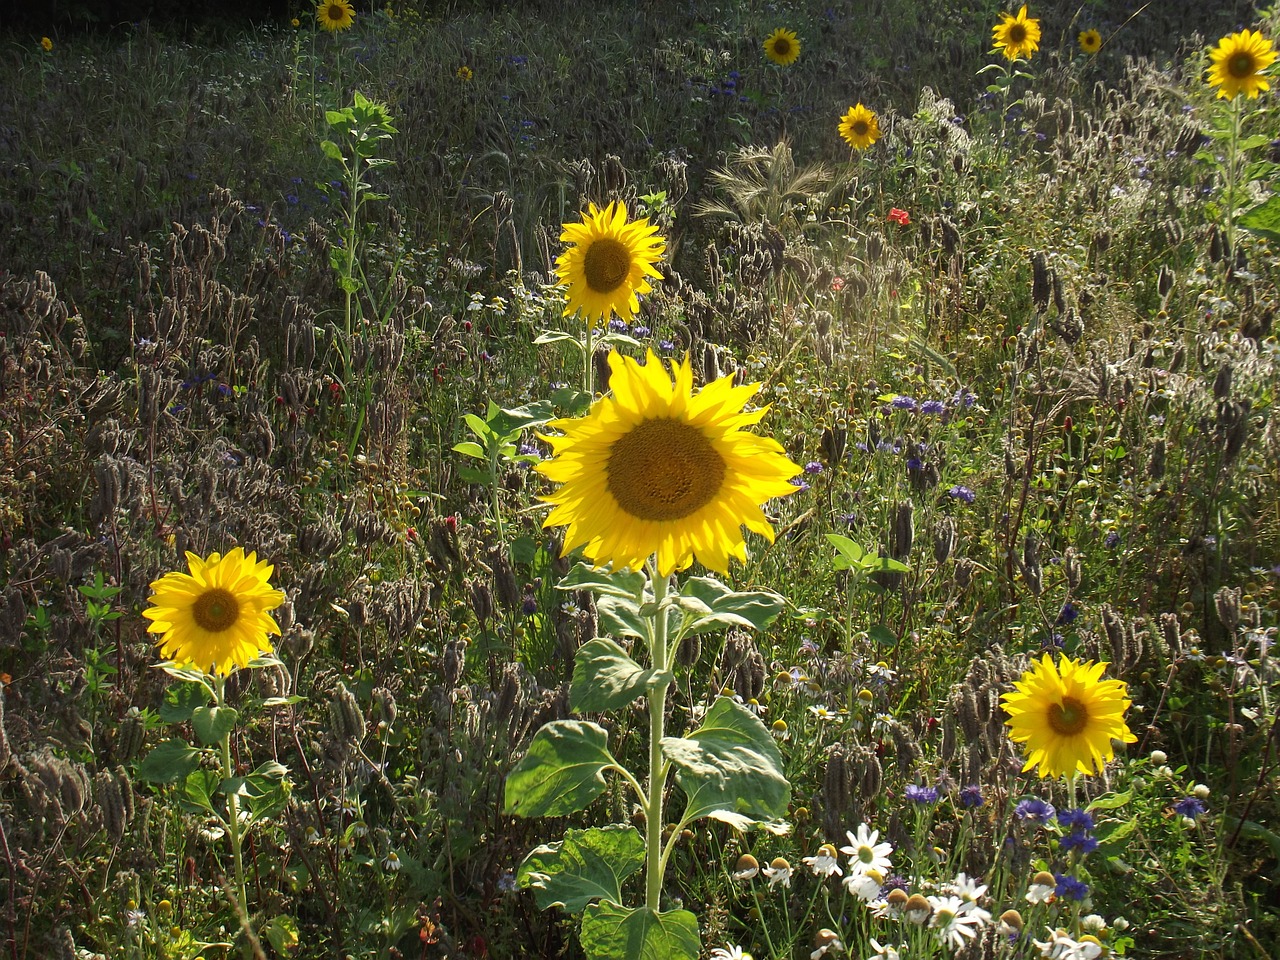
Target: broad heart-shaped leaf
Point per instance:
(621, 616)
(181, 701)
(606, 678)
(211, 724)
(562, 772)
(586, 865)
(509, 421)
(169, 762)
(729, 763)
(604, 583)
(755, 608)
(1264, 219)
(199, 789)
(611, 932)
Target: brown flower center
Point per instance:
(1242, 65)
(860, 128)
(1017, 34)
(1068, 717)
(215, 610)
(606, 265)
(664, 470)
(782, 46)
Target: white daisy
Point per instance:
(953, 921)
(864, 853)
(824, 863)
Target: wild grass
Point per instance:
(1051, 395)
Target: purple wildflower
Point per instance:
(1190, 807)
(1033, 808)
(919, 794)
(961, 492)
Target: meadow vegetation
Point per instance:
(285, 356)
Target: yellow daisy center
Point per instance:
(215, 610)
(1017, 33)
(866, 854)
(1068, 717)
(1242, 65)
(664, 470)
(606, 265)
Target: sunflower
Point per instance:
(1237, 64)
(335, 15)
(782, 47)
(1067, 716)
(1090, 42)
(859, 127)
(1016, 36)
(609, 262)
(657, 468)
(464, 73)
(46, 44)
(215, 618)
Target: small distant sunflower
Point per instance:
(295, 23)
(859, 127)
(1237, 64)
(1090, 41)
(782, 47)
(464, 73)
(1067, 716)
(609, 263)
(335, 15)
(657, 468)
(46, 44)
(215, 618)
(1016, 36)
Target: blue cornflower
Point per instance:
(798, 482)
(666, 346)
(961, 492)
(971, 796)
(903, 403)
(914, 463)
(639, 330)
(933, 407)
(529, 605)
(1067, 614)
(618, 326)
(1069, 888)
(1075, 820)
(1079, 840)
(1190, 807)
(1033, 808)
(1111, 540)
(920, 794)
(813, 466)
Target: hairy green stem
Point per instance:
(233, 810)
(657, 768)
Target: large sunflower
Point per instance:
(859, 127)
(335, 14)
(1067, 716)
(609, 263)
(215, 618)
(782, 47)
(1237, 63)
(1016, 36)
(658, 468)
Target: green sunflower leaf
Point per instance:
(211, 724)
(611, 932)
(587, 865)
(182, 700)
(730, 763)
(724, 607)
(621, 616)
(606, 678)
(562, 772)
(604, 583)
(169, 762)
(1264, 219)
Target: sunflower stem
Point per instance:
(1233, 163)
(588, 364)
(233, 807)
(657, 769)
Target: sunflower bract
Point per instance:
(1066, 716)
(1237, 62)
(609, 263)
(658, 468)
(215, 617)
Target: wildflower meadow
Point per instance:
(727, 480)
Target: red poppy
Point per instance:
(900, 217)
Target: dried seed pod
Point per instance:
(944, 539)
(1031, 571)
(1156, 462)
(453, 662)
(111, 803)
(967, 713)
(386, 703)
(1040, 282)
(1226, 603)
(903, 534)
(481, 599)
(1071, 566)
(962, 573)
(346, 719)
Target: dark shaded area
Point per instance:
(179, 15)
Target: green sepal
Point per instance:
(562, 772)
(606, 678)
(611, 932)
(587, 865)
